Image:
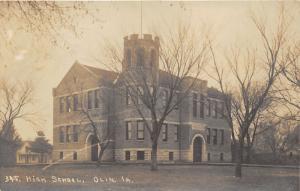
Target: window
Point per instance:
(75, 102)
(61, 155)
(140, 92)
(140, 130)
(171, 156)
(127, 155)
(128, 57)
(177, 130)
(68, 104)
(97, 98)
(164, 97)
(68, 134)
(140, 56)
(61, 135)
(61, 105)
(208, 156)
(215, 110)
(208, 135)
(194, 105)
(221, 156)
(215, 141)
(140, 155)
(153, 58)
(128, 131)
(128, 97)
(177, 100)
(201, 109)
(165, 132)
(75, 133)
(222, 110)
(208, 107)
(222, 136)
(90, 98)
(74, 155)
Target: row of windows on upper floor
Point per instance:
(140, 133)
(74, 102)
(71, 133)
(212, 107)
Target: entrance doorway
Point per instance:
(94, 149)
(197, 149)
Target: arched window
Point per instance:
(140, 56)
(153, 57)
(128, 57)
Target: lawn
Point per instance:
(139, 177)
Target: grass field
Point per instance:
(139, 177)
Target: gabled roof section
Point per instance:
(100, 73)
(81, 77)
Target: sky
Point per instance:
(27, 56)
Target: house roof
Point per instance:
(214, 93)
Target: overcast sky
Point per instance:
(45, 64)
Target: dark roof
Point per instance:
(164, 78)
(214, 93)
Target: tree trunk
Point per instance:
(239, 161)
(233, 152)
(154, 156)
(100, 157)
(248, 154)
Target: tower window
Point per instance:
(140, 56)
(128, 57)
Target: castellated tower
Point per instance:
(141, 54)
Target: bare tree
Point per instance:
(289, 88)
(14, 102)
(105, 110)
(282, 137)
(102, 135)
(158, 90)
(44, 20)
(249, 96)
